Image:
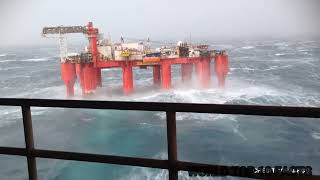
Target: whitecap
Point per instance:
(247, 47)
(11, 68)
(35, 60)
(280, 54)
(282, 44)
(86, 119)
(3, 55)
(316, 135)
(7, 60)
(303, 50)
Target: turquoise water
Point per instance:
(278, 72)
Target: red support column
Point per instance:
(203, 72)
(89, 78)
(99, 78)
(68, 75)
(127, 78)
(207, 71)
(156, 75)
(221, 69)
(186, 72)
(166, 75)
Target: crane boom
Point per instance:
(64, 30)
(61, 31)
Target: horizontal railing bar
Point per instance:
(285, 111)
(13, 151)
(99, 158)
(122, 160)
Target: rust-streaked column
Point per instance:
(68, 75)
(221, 68)
(166, 75)
(127, 78)
(203, 72)
(89, 78)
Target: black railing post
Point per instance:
(172, 145)
(28, 136)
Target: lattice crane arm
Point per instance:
(64, 30)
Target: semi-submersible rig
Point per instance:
(102, 53)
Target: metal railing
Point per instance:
(172, 164)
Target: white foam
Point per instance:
(10, 68)
(281, 44)
(236, 131)
(26, 60)
(3, 55)
(7, 60)
(138, 173)
(247, 47)
(35, 60)
(316, 135)
(86, 119)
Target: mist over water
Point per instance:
(265, 72)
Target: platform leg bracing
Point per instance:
(166, 75)
(127, 78)
(69, 76)
(156, 75)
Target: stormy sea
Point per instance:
(281, 72)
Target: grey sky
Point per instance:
(22, 21)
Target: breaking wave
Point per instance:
(316, 135)
(247, 47)
(260, 74)
(35, 60)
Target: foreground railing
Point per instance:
(172, 164)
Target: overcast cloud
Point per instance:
(22, 21)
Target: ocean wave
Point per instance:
(275, 68)
(316, 135)
(25, 60)
(10, 68)
(247, 47)
(7, 60)
(35, 60)
(282, 44)
(138, 173)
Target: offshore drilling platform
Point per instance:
(102, 53)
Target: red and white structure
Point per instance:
(87, 67)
